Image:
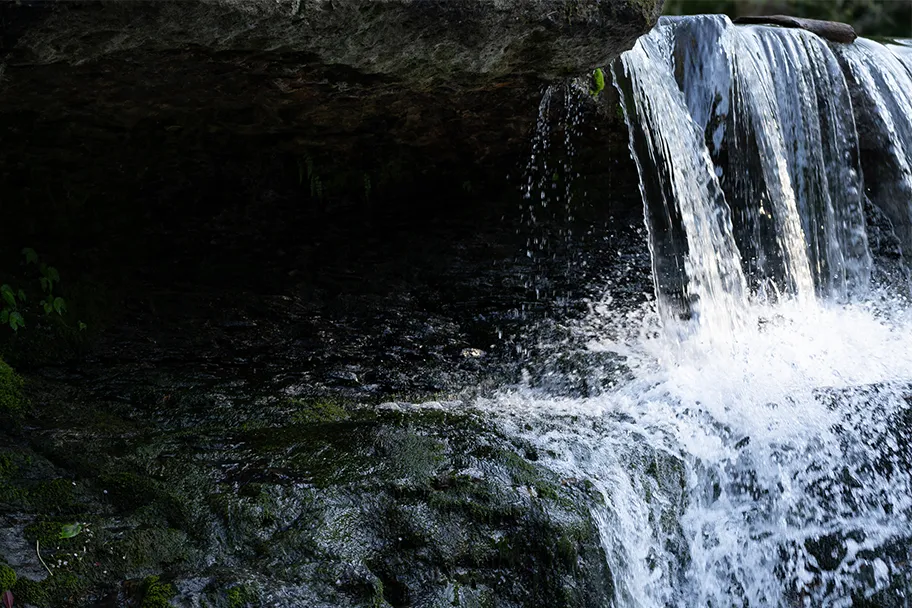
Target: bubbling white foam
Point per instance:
(767, 472)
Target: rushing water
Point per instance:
(756, 451)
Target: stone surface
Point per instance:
(421, 42)
(344, 91)
(336, 506)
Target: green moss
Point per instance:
(157, 594)
(8, 467)
(12, 402)
(46, 532)
(32, 593)
(53, 592)
(53, 496)
(566, 550)
(65, 588)
(598, 82)
(312, 411)
(152, 548)
(7, 578)
(242, 596)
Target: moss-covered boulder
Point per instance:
(7, 577)
(340, 505)
(12, 401)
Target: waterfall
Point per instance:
(882, 94)
(757, 453)
(776, 146)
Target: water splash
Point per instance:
(773, 473)
(757, 451)
(547, 206)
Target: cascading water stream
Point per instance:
(882, 92)
(757, 452)
(782, 169)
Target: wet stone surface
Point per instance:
(241, 430)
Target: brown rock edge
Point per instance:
(828, 30)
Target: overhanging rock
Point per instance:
(119, 91)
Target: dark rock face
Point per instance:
(418, 42)
(355, 90)
(390, 507)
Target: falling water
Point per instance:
(882, 87)
(700, 270)
(546, 207)
(758, 452)
(787, 164)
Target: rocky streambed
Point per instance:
(296, 234)
(310, 443)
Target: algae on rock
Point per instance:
(12, 401)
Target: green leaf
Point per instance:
(82, 326)
(4, 316)
(47, 306)
(16, 321)
(7, 293)
(53, 275)
(21, 296)
(60, 305)
(70, 530)
(30, 256)
(598, 82)
(44, 283)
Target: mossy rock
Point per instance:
(32, 593)
(157, 594)
(53, 592)
(315, 411)
(45, 532)
(241, 596)
(12, 401)
(7, 578)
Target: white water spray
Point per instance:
(759, 452)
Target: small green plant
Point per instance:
(14, 301)
(598, 82)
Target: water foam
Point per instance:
(771, 473)
(755, 452)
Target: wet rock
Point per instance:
(829, 30)
(420, 42)
(342, 507)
